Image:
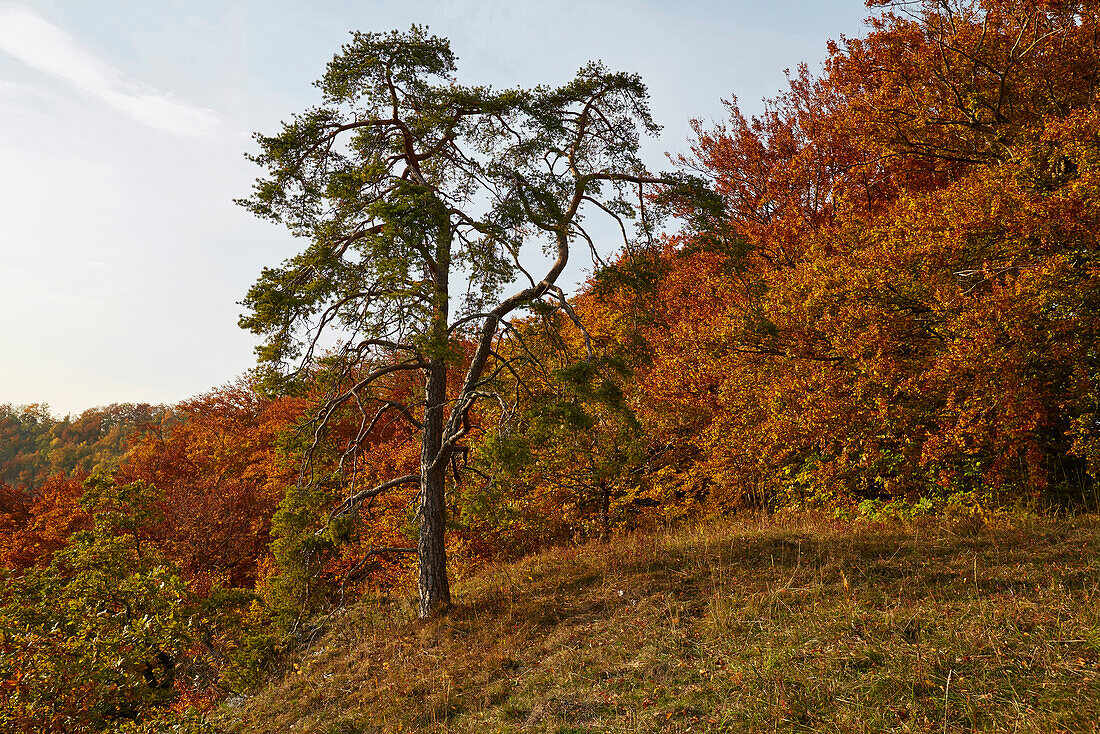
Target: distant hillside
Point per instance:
(803, 626)
(35, 446)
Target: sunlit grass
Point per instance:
(804, 625)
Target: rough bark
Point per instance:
(435, 590)
(434, 586)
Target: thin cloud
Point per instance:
(46, 47)
(13, 90)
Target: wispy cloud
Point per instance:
(11, 89)
(50, 49)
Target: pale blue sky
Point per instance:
(123, 126)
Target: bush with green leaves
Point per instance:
(96, 639)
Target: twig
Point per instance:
(946, 691)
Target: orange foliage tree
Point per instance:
(221, 470)
(32, 528)
(898, 293)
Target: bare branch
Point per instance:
(351, 504)
(564, 305)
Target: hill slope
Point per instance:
(797, 626)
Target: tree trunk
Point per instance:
(435, 590)
(434, 586)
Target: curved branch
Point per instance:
(351, 504)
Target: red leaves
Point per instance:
(217, 463)
(33, 528)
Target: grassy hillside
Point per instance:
(800, 625)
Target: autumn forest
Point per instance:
(878, 300)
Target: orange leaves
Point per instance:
(31, 529)
(944, 86)
(918, 300)
(218, 465)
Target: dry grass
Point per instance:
(742, 627)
